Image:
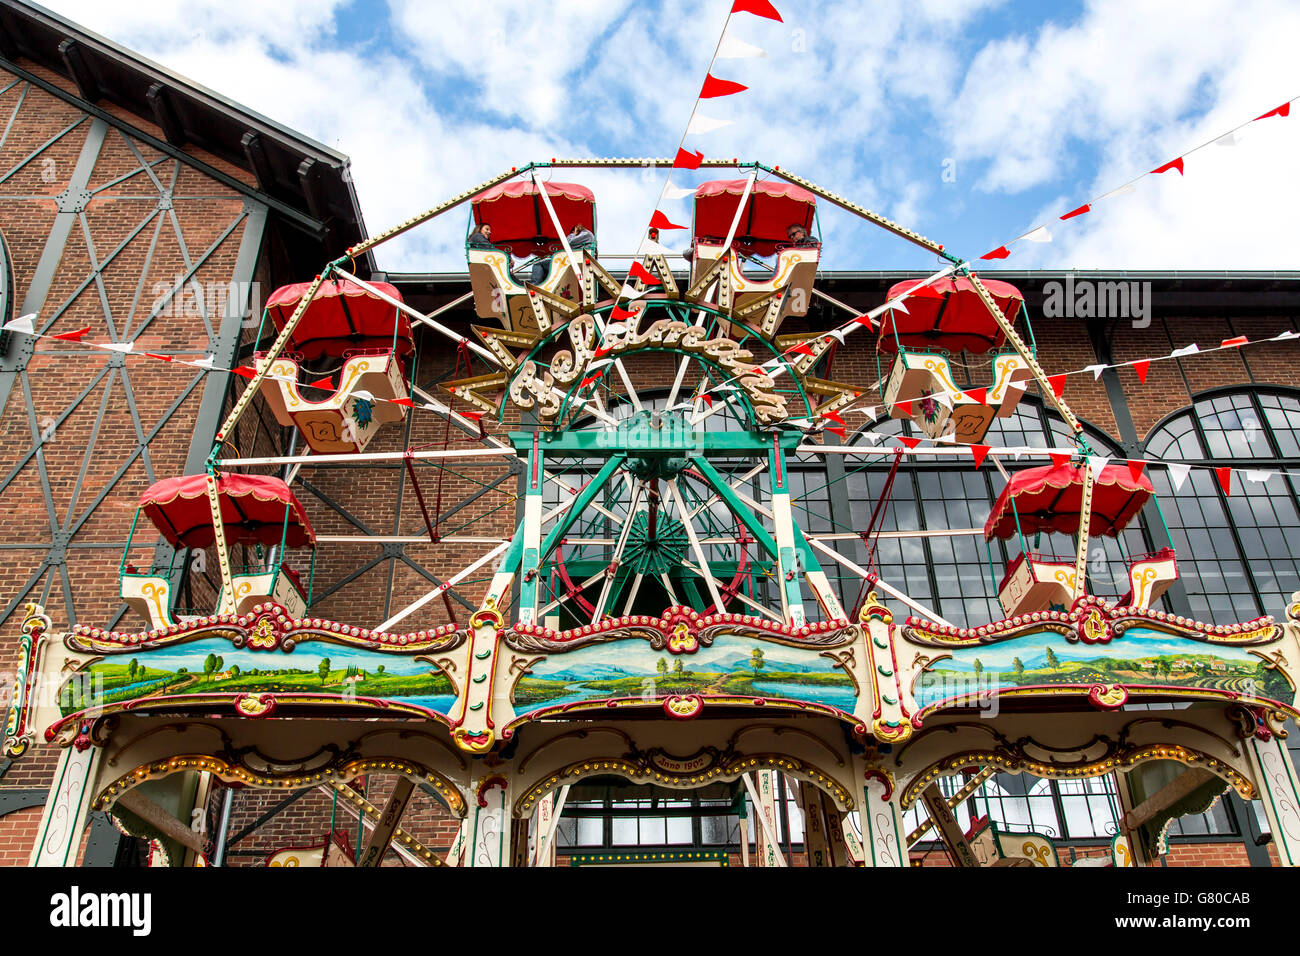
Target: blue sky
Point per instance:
(1031, 109)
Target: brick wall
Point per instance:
(79, 458)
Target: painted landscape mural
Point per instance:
(215, 667)
(730, 666)
(1139, 657)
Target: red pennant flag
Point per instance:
(1225, 479)
(1235, 342)
(714, 87)
(325, 382)
(980, 395)
(161, 358)
(1283, 110)
(1141, 368)
(706, 398)
(843, 433)
(909, 442)
(1086, 207)
(660, 221)
(833, 416)
(1058, 384)
(904, 407)
(76, 336)
(978, 452)
(1001, 252)
(245, 371)
(1135, 469)
(473, 416)
(803, 348)
(687, 160)
(1172, 164)
(759, 8)
(602, 351)
(1059, 460)
(864, 319)
(618, 314)
(589, 380)
(402, 401)
(639, 271)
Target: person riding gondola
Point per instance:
(481, 237)
(798, 237)
(580, 237)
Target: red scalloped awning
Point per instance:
(519, 219)
(341, 318)
(1048, 499)
(948, 314)
(254, 509)
(772, 208)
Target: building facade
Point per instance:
(149, 211)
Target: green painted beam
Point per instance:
(641, 441)
(738, 507)
(585, 497)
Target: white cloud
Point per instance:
(1138, 84)
(868, 106)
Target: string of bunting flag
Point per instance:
(1042, 234)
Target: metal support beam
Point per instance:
(382, 835)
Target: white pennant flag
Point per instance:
(732, 49)
(651, 248)
(705, 124)
(1227, 139)
(871, 437)
(123, 347)
(1116, 193)
(1284, 336)
(1038, 235)
(1178, 474)
(24, 323)
(629, 291)
(1258, 475)
(1097, 464)
(943, 398)
(1185, 350)
(362, 394)
(897, 304)
(673, 192)
(205, 362)
(615, 328)
(836, 334)
(1096, 370)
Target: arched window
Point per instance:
(1238, 552)
(957, 575)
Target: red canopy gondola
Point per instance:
(519, 218)
(771, 209)
(1048, 498)
(254, 509)
(948, 314)
(342, 317)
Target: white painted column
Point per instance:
(1279, 787)
(882, 824)
(68, 806)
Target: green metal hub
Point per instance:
(662, 554)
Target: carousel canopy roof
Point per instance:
(254, 509)
(520, 221)
(948, 314)
(342, 317)
(1049, 498)
(772, 208)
